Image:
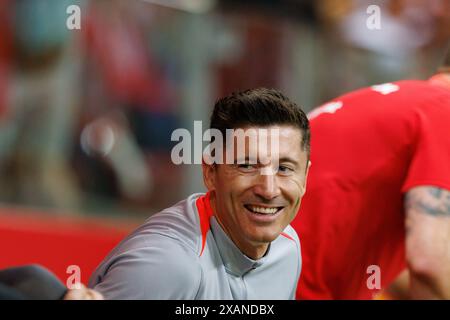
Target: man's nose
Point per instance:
(267, 186)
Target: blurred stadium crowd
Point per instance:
(86, 115)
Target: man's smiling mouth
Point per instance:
(262, 210)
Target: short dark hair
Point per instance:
(260, 107)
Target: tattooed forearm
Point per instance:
(427, 242)
(429, 200)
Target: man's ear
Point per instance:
(307, 167)
(306, 177)
(209, 177)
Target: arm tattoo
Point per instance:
(429, 200)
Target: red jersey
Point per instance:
(368, 148)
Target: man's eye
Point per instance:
(246, 166)
(285, 170)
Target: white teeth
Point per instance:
(263, 210)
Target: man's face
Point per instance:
(255, 202)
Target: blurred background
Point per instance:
(86, 115)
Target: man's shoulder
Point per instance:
(166, 232)
(286, 253)
(423, 90)
(287, 243)
(178, 223)
(290, 234)
(412, 91)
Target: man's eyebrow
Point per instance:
(247, 159)
(289, 159)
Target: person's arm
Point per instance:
(398, 289)
(82, 293)
(428, 242)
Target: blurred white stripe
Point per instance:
(191, 6)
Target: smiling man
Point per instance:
(234, 242)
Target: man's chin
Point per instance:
(266, 237)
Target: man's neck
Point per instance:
(254, 251)
(441, 79)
